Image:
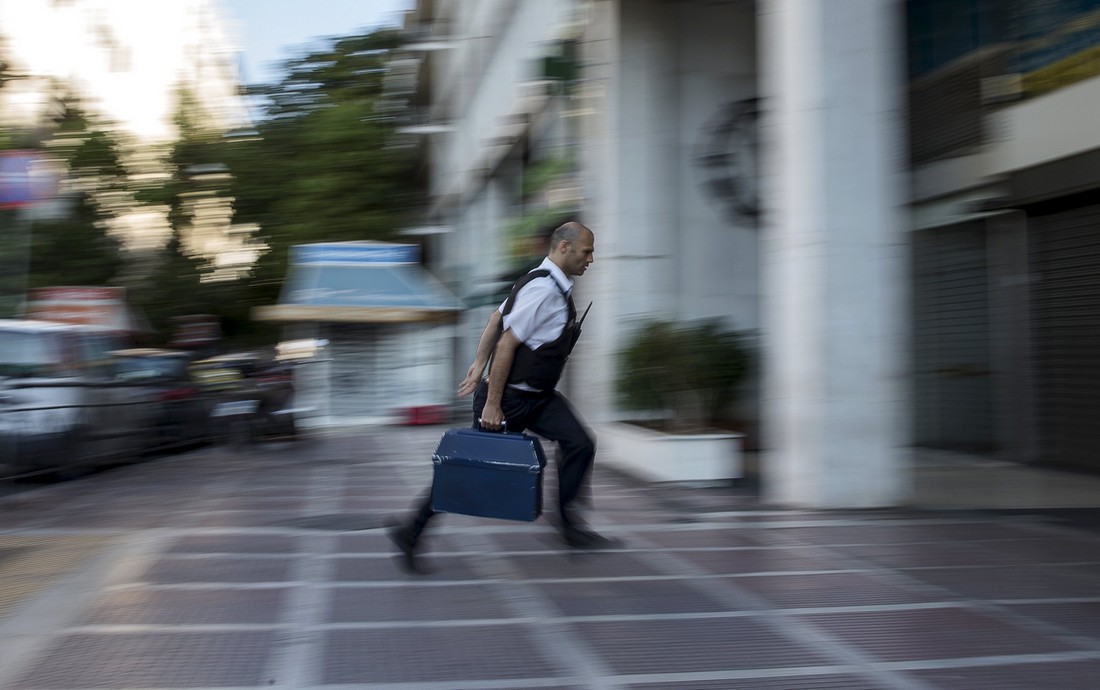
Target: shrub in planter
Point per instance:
(683, 376)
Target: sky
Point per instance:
(271, 31)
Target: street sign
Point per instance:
(16, 189)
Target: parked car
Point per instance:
(61, 407)
(253, 395)
(181, 409)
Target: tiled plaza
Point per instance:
(268, 568)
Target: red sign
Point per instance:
(95, 306)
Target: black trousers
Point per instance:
(552, 417)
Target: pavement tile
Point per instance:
(29, 564)
(385, 568)
(692, 645)
(234, 543)
(243, 518)
(575, 564)
(741, 561)
(610, 597)
(545, 539)
(1044, 550)
(152, 660)
(433, 654)
(687, 539)
(942, 633)
(811, 590)
(445, 536)
(1055, 675)
(373, 541)
(218, 568)
(119, 520)
(333, 522)
(920, 555)
(796, 516)
(395, 505)
(135, 606)
(981, 530)
(1013, 582)
(1077, 618)
(970, 553)
(282, 504)
(801, 682)
(897, 533)
(415, 603)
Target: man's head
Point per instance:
(571, 248)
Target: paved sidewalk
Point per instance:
(268, 569)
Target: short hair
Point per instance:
(567, 232)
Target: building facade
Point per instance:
(1005, 227)
(898, 197)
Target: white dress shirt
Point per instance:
(541, 311)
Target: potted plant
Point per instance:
(678, 379)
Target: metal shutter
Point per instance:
(353, 371)
(379, 369)
(953, 385)
(1066, 262)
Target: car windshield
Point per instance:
(144, 368)
(25, 355)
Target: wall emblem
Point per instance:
(726, 160)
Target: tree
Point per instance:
(327, 165)
(77, 248)
(324, 165)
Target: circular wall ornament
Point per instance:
(726, 159)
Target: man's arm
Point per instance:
(491, 416)
(485, 347)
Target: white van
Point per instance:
(62, 409)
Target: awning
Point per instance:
(371, 282)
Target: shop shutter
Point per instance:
(353, 365)
(378, 370)
(953, 388)
(1066, 265)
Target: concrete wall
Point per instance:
(658, 76)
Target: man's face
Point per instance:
(578, 254)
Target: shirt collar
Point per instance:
(563, 281)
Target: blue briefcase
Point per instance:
(488, 474)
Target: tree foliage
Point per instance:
(77, 248)
(327, 165)
(324, 164)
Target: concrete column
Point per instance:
(835, 278)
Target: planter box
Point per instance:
(659, 457)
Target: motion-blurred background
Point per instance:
(842, 228)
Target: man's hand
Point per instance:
(492, 418)
(485, 347)
(473, 378)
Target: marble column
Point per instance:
(834, 259)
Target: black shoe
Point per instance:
(579, 538)
(407, 546)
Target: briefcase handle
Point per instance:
(503, 427)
